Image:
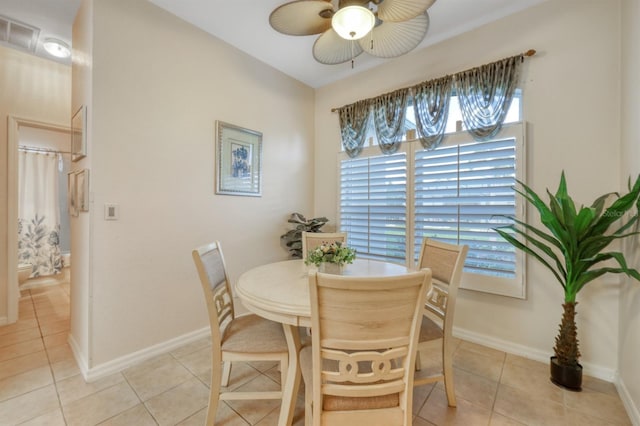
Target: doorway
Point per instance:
(33, 134)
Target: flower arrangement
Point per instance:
(333, 252)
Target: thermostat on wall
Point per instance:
(111, 212)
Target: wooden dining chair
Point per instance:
(359, 368)
(446, 262)
(234, 338)
(311, 240)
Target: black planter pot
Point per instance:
(569, 377)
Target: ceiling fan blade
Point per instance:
(331, 49)
(391, 39)
(301, 17)
(402, 10)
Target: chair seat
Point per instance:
(341, 403)
(244, 331)
(429, 330)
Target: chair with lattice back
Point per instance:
(234, 338)
(446, 262)
(359, 368)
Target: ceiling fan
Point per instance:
(382, 28)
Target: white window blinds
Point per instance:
(459, 191)
(373, 205)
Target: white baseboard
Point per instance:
(77, 354)
(4, 321)
(593, 370)
(632, 409)
(94, 373)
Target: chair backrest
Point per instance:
(217, 289)
(446, 262)
(364, 335)
(311, 240)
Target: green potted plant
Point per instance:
(292, 239)
(334, 254)
(572, 246)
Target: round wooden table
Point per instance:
(280, 292)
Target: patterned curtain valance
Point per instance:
(485, 94)
(354, 120)
(389, 113)
(431, 108)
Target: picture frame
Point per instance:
(71, 194)
(238, 160)
(79, 134)
(82, 190)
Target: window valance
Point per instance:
(431, 108)
(484, 94)
(354, 121)
(389, 112)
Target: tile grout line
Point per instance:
(139, 398)
(495, 396)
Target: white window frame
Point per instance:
(512, 287)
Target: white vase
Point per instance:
(330, 268)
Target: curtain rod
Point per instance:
(528, 53)
(41, 149)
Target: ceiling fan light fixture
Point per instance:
(57, 48)
(353, 22)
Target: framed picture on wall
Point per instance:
(79, 134)
(82, 190)
(238, 160)
(71, 194)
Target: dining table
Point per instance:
(280, 292)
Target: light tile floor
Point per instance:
(40, 384)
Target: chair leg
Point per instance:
(308, 403)
(226, 373)
(284, 366)
(418, 363)
(447, 369)
(213, 409)
(214, 392)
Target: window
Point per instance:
(453, 193)
(461, 189)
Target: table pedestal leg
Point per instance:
(293, 376)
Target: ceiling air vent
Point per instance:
(18, 34)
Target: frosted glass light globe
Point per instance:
(353, 22)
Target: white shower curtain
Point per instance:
(39, 213)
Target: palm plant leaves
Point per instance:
(573, 246)
(618, 209)
(517, 244)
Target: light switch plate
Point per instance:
(111, 212)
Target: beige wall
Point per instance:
(35, 89)
(629, 349)
(572, 104)
(158, 86)
(82, 94)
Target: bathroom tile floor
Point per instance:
(40, 384)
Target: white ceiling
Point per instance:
(245, 25)
(54, 18)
